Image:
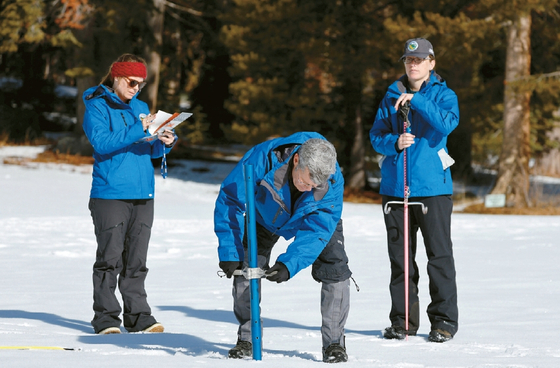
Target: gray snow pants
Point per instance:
(122, 229)
(330, 268)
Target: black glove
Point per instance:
(404, 108)
(279, 273)
(230, 266)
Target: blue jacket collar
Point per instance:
(401, 85)
(109, 95)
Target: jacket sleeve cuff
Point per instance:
(226, 253)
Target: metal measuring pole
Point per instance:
(253, 264)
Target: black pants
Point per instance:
(122, 229)
(435, 226)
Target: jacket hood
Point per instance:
(400, 86)
(106, 93)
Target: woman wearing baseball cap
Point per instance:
(433, 112)
(122, 195)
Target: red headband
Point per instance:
(128, 69)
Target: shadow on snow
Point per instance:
(172, 343)
(49, 318)
(204, 172)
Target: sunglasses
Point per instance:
(133, 83)
(414, 60)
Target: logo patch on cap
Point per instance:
(412, 46)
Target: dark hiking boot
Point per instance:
(335, 353)
(241, 350)
(397, 332)
(439, 336)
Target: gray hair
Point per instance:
(319, 156)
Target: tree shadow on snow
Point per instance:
(50, 318)
(228, 317)
(173, 343)
(205, 172)
(170, 343)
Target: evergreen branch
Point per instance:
(183, 8)
(203, 25)
(534, 78)
(531, 83)
(548, 75)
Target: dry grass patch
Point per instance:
(356, 196)
(63, 158)
(5, 141)
(50, 157)
(361, 196)
(537, 211)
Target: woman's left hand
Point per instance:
(167, 137)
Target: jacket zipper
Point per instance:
(279, 212)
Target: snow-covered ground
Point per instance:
(508, 280)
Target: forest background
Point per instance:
(253, 69)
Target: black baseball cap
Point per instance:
(418, 47)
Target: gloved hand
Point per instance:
(279, 273)
(230, 266)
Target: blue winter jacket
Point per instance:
(433, 115)
(311, 222)
(123, 168)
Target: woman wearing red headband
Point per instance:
(122, 195)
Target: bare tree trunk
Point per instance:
(356, 178)
(153, 52)
(513, 171)
(82, 83)
(549, 163)
(171, 87)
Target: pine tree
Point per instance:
(304, 66)
(35, 38)
(194, 71)
(545, 118)
(513, 174)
